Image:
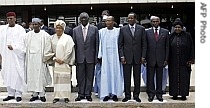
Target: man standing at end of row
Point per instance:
(12, 51)
(38, 75)
(132, 50)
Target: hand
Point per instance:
(189, 63)
(99, 60)
(59, 61)
(10, 47)
(143, 61)
(123, 61)
(165, 63)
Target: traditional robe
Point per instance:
(181, 50)
(111, 68)
(38, 75)
(13, 68)
(61, 48)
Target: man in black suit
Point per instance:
(157, 57)
(86, 41)
(43, 27)
(132, 49)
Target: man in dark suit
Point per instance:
(157, 57)
(132, 49)
(86, 41)
(43, 27)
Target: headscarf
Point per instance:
(61, 23)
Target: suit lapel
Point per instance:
(88, 32)
(152, 34)
(160, 34)
(129, 31)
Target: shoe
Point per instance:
(174, 97)
(126, 99)
(137, 99)
(34, 98)
(8, 98)
(163, 92)
(114, 98)
(160, 99)
(183, 98)
(89, 98)
(18, 99)
(79, 98)
(55, 100)
(66, 100)
(106, 98)
(150, 99)
(43, 99)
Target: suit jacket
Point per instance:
(89, 49)
(132, 46)
(157, 51)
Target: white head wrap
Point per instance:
(36, 20)
(61, 23)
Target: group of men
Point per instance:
(116, 50)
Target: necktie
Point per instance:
(84, 33)
(156, 34)
(132, 30)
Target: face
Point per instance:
(131, 19)
(84, 20)
(36, 26)
(155, 22)
(11, 20)
(178, 28)
(109, 22)
(59, 30)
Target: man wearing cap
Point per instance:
(38, 75)
(13, 55)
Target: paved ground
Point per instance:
(97, 103)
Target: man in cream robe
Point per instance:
(61, 49)
(38, 75)
(12, 51)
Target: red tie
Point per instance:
(156, 34)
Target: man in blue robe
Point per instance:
(111, 68)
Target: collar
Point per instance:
(132, 26)
(85, 26)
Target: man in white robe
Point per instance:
(38, 75)
(111, 83)
(12, 51)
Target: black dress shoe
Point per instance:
(43, 99)
(8, 98)
(137, 99)
(126, 99)
(66, 100)
(150, 99)
(183, 98)
(18, 99)
(106, 98)
(174, 97)
(89, 98)
(114, 98)
(160, 99)
(79, 98)
(163, 92)
(55, 100)
(34, 98)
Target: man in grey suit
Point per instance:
(86, 41)
(132, 49)
(157, 57)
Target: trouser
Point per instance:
(13, 92)
(41, 94)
